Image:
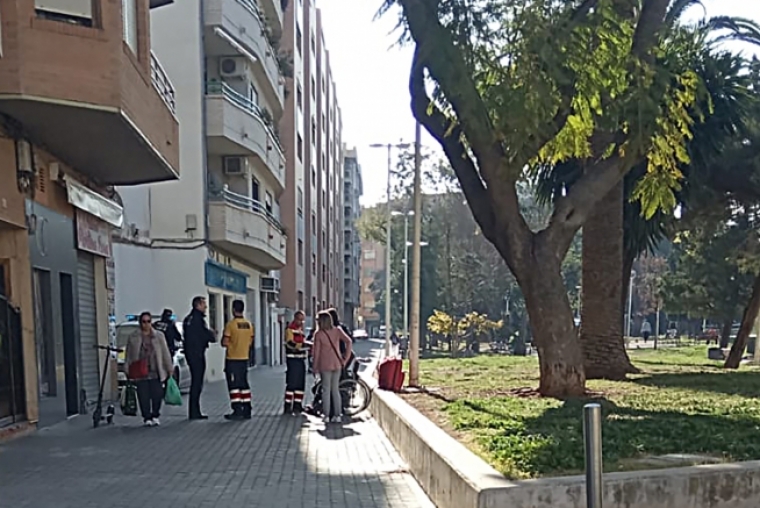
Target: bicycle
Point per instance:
(97, 414)
(355, 393)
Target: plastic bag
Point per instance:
(129, 400)
(172, 396)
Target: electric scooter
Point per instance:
(97, 415)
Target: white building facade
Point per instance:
(217, 231)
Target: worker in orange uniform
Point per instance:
(237, 339)
(295, 357)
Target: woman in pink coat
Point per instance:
(329, 362)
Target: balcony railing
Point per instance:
(162, 83)
(253, 8)
(249, 204)
(246, 104)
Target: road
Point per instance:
(270, 461)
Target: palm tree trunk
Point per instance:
(748, 321)
(602, 303)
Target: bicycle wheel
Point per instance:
(354, 395)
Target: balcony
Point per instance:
(74, 86)
(273, 10)
(236, 126)
(235, 27)
(244, 227)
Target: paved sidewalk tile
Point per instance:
(271, 461)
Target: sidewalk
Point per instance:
(271, 461)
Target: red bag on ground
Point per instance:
(390, 375)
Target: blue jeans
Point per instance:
(331, 392)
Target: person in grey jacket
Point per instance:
(147, 350)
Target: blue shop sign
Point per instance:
(224, 277)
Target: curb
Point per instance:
(454, 477)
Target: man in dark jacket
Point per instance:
(166, 326)
(197, 338)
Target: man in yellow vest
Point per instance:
(238, 337)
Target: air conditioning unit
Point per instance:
(233, 67)
(270, 285)
(235, 165)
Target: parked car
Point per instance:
(360, 334)
(181, 368)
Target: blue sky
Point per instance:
(371, 74)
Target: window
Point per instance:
(324, 198)
(300, 252)
(313, 176)
(313, 130)
(78, 12)
(253, 94)
(313, 43)
(300, 300)
(313, 221)
(300, 148)
(313, 88)
(314, 263)
(298, 39)
(369, 254)
(324, 122)
(324, 274)
(299, 96)
(268, 202)
(129, 23)
(213, 310)
(255, 189)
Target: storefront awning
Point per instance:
(93, 203)
(229, 39)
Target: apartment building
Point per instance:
(84, 106)
(372, 264)
(312, 204)
(217, 232)
(352, 192)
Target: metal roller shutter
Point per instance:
(88, 333)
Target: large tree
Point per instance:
(620, 229)
(520, 83)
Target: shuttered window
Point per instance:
(129, 22)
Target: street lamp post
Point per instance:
(414, 340)
(389, 147)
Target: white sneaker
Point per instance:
(148, 423)
(156, 422)
(337, 419)
(326, 419)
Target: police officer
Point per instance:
(295, 356)
(166, 326)
(197, 336)
(237, 339)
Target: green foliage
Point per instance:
(680, 404)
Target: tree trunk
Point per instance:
(725, 333)
(604, 293)
(748, 322)
(554, 334)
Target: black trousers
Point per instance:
(295, 383)
(236, 372)
(197, 364)
(150, 395)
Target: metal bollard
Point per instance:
(592, 437)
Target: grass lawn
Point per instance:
(681, 403)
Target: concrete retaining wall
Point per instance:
(454, 477)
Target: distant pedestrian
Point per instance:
(197, 337)
(295, 358)
(237, 339)
(168, 327)
(149, 365)
(646, 330)
(329, 363)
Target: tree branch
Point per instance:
(436, 123)
(446, 64)
(572, 211)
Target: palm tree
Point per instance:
(617, 233)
